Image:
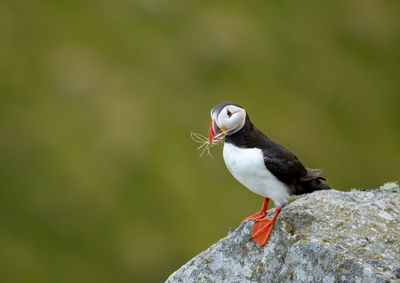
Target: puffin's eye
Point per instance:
(229, 113)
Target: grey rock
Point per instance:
(326, 236)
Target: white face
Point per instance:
(231, 119)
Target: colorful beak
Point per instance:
(213, 130)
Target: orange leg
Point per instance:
(261, 213)
(262, 228)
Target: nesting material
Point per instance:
(205, 144)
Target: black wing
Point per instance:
(284, 165)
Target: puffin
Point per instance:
(260, 164)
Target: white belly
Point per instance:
(247, 166)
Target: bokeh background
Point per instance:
(99, 179)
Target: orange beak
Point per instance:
(214, 130)
(211, 132)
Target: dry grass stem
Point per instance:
(205, 144)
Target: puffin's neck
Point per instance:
(246, 137)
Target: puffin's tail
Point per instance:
(310, 183)
(311, 186)
(314, 185)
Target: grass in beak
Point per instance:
(205, 144)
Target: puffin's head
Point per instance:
(226, 118)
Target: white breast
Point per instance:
(247, 166)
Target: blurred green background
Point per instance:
(99, 179)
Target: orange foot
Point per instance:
(262, 228)
(261, 213)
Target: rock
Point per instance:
(326, 236)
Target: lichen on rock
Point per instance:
(326, 236)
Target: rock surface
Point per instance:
(326, 236)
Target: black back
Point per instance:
(283, 164)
